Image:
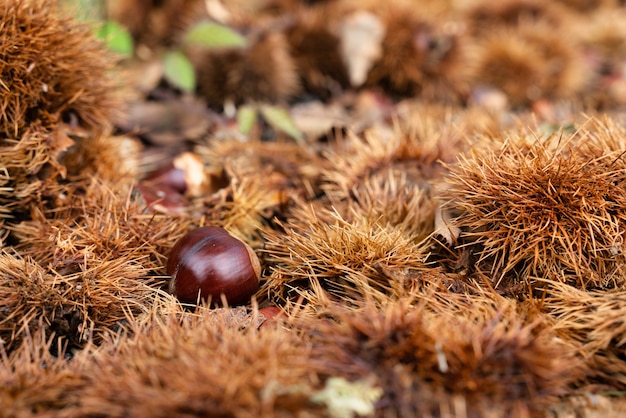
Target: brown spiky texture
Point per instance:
(528, 63)
(434, 134)
(72, 306)
(598, 405)
(208, 363)
(99, 220)
(606, 33)
(322, 251)
(442, 349)
(168, 362)
(392, 200)
(483, 16)
(315, 47)
(594, 320)
(420, 55)
(298, 162)
(51, 67)
(587, 6)
(423, 138)
(260, 181)
(37, 168)
(58, 99)
(420, 52)
(543, 206)
(375, 201)
(264, 71)
(41, 166)
(245, 206)
(83, 266)
(21, 160)
(359, 157)
(603, 36)
(35, 381)
(113, 159)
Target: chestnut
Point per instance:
(169, 176)
(185, 174)
(269, 314)
(210, 262)
(162, 198)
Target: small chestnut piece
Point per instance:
(270, 313)
(210, 262)
(169, 176)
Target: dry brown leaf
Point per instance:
(444, 227)
(168, 122)
(361, 35)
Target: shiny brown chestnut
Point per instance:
(169, 176)
(210, 262)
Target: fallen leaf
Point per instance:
(168, 122)
(316, 118)
(179, 71)
(246, 117)
(444, 226)
(361, 35)
(214, 35)
(280, 119)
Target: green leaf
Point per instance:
(179, 71)
(553, 128)
(85, 10)
(280, 119)
(213, 35)
(246, 117)
(116, 37)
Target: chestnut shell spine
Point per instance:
(210, 262)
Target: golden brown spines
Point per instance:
(51, 67)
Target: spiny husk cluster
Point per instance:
(593, 321)
(82, 267)
(51, 67)
(543, 206)
(484, 15)
(348, 256)
(530, 62)
(429, 352)
(365, 231)
(21, 161)
(198, 364)
(34, 380)
(65, 272)
(422, 138)
(605, 34)
(589, 5)
(73, 305)
(429, 51)
(441, 52)
(370, 244)
(433, 349)
(264, 71)
(259, 180)
(165, 363)
(42, 167)
(57, 99)
(343, 227)
(427, 58)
